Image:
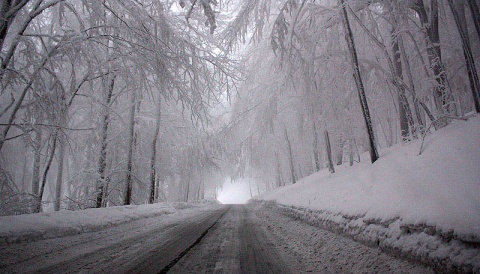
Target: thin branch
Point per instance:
(15, 137)
(37, 10)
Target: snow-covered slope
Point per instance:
(435, 194)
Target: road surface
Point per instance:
(220, 239)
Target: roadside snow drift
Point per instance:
(33, 227)
(426, 205)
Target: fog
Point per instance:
(234, 192)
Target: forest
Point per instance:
(118, 102)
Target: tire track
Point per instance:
(183, 253)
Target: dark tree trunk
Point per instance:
(475, 15)
(157, 189)
(5, 24)
(102, 161)
(459, 16)
(187, 191)
(421, 125)
(340, 152)
(36, 161)
(45, 173)
(442, 97)
(350, 152)
(290, 157)
(153, 160)
(131, 143)
(404, 111)
(359, 83)
(5, 7)
(329, 152)
(316, 157)
(58, 186)
(8, 10)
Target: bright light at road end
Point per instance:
(237, 192)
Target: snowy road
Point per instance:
(219, 239)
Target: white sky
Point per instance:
(234, 193)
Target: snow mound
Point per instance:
(33, 227)
(425, 205)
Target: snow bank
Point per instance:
(426, 205)
(33, 227)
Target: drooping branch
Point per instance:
(20, 99)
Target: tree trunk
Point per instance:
(442, 99)
(475, 15)
(350, 152)
(408, 70)
(36, 161)
(131, 140)
(315, 148)
(250, 188)
(359, 83)
(58, 186)
(5, 7)
(102, 161)
(157, 189)
(187, 191)
(278, 171)
(341, 143)
(23, 185)
(329, 152)
(290, 157)
(8, 10)
(458, 11)
(404, 111)
(153, 160)
(45, 173)
(69, 187)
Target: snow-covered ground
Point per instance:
(425, 205)
(33, 227)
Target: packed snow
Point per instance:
(424, 204)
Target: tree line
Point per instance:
(330, 80)
(106, 102)
(116, 102)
